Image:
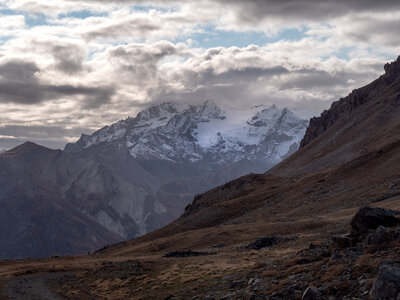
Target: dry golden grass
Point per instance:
(332, 272)
(296, 269)
(362, 260)
(366, 263)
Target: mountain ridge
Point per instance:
(172, 127)
(138, 174)
(346, 105)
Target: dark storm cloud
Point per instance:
(232, 84)
(371, 30)
(315, 79)
(19, 83)
(262, 15)
(228, 80)
(18, 71)
(68, 58)
(138, 63)
(252, 11)
(246, 74)
(309, 88)
(141, 53)
(322, 80)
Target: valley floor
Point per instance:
(301, 255)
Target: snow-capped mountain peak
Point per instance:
(265, 116)
(175, 132)
(210, 110)
(161, 111)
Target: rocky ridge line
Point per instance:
(346, 105)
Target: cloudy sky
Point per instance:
(73, 66)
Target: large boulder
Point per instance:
(370, 218)
(379, 236)
(387, 284)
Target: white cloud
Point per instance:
(83, 73)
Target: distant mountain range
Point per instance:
(133, 176)
(176, 151)
(203, 133)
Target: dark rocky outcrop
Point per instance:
(348, 267)
(387, 284)
(187, 253)
(263, 242)
(379, 236)
(346, 105)
(393, 68)
(371, 218)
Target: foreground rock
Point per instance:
(379, 236)
(342, 240)
(387, 285)
(371, 218)
(344, 268)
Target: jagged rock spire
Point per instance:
(393, 68)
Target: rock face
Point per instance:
(387, 284)
(346, 105)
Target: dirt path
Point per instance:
(30, 287)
